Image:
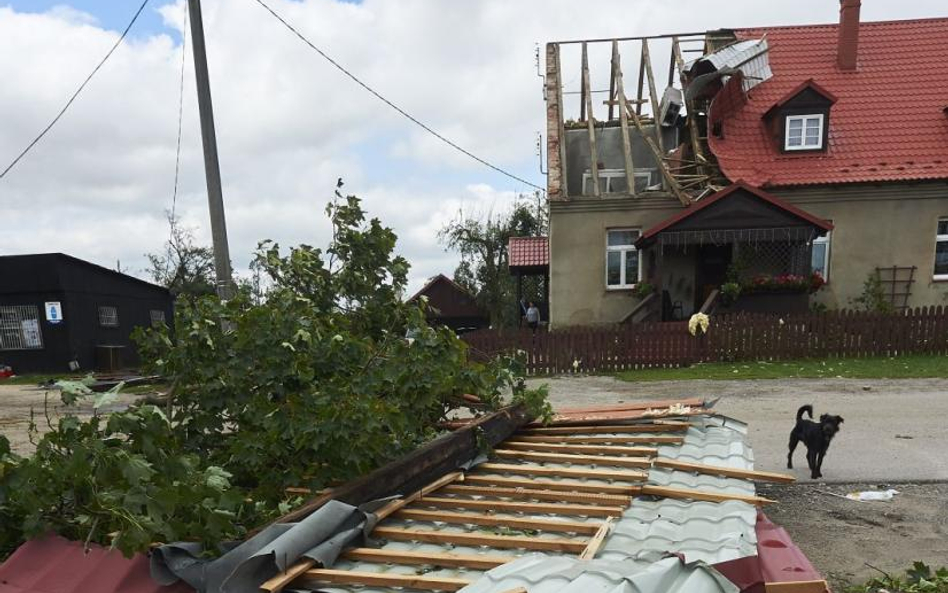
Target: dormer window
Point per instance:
(800, 120)
(804, 132)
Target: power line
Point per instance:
(392, 105)
(75, 94)
(177, 156)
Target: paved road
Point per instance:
(894, 430)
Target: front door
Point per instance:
(710, 270)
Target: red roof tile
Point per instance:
(57, 565)
(528, 251)
(888, 123)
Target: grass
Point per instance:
(903, 367)
(31, 379)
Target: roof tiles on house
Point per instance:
(528, 252)
(888, 124)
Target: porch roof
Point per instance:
(737, 207)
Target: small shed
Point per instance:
(59, 313)
(452, 305)
(529, 262)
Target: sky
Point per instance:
(289, 125)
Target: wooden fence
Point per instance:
(734, 337)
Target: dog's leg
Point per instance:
(794, 439)
(811, 462)
(819, 464)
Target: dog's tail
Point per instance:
(807, 408)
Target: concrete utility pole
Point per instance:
(215, 197)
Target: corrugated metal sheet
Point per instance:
(57, 565)
(749, 56)
(561, 574)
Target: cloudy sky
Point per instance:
(289, 125)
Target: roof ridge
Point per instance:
(836, 25)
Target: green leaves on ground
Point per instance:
(918, 579)
(324, 377)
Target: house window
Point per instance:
(820, 260)
(157, 317)
(804, 132)
(20, 328)
(108, 316)
(941, 250)
(622, 259)
(613, 181)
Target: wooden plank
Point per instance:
(409, 581)
(490, 520)
(668, 178)
(534, 494)
(592, 548)
(561, 485)
(581, 510)
(590, 128)
(797, 587)
(623, 120)
(730, 472)
(653, 96)
(581, 449)
(476, 561)
(690, 108)
(535, 470)
(482, 539)
(612, 90)
(640, 462)
(658, 439)
(280, 581)
(608, 428)
(689, 494)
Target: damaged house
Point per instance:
(788, 165)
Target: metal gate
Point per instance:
(20, 328)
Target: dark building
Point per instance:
(450, 304)
(57, 312)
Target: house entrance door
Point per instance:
(712, 262)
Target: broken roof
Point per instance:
(887, 125)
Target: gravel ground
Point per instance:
(894, 435)
(16, 401)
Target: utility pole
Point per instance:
(212, 169)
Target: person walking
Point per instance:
(533, 317)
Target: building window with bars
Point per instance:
(941, 250)
(623, 267)
(108, 316)
(20, 328)
(821, 256)
(157, 317)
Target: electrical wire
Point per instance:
(75, 94)
(401, 111)
(177, 155)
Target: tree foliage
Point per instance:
(311, 384)
(183, 267)
(482, 243)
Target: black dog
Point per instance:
(816, 436)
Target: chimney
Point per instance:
(848, 44)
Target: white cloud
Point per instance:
(289, 124)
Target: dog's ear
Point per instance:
(839, 419)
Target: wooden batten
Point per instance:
(482, 539)
(596, 460)
(592, 440)
(581, 449)
(592, 548)
(527, 493)
(729, 472)
(475, 561)
(590, 127)
(523, 507)
(653, 97)
(559, 485)
(690, 494)
(488, 519)
(313, 578)
(797, 587)
(620, 429)
(565, 472)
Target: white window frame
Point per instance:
(108, 316)
(939, 239)
(607, 175)
(622, 250)
(803, 119)
(825, 240)
(157, 317)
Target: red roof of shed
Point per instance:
(888, 123)
(528, 251)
